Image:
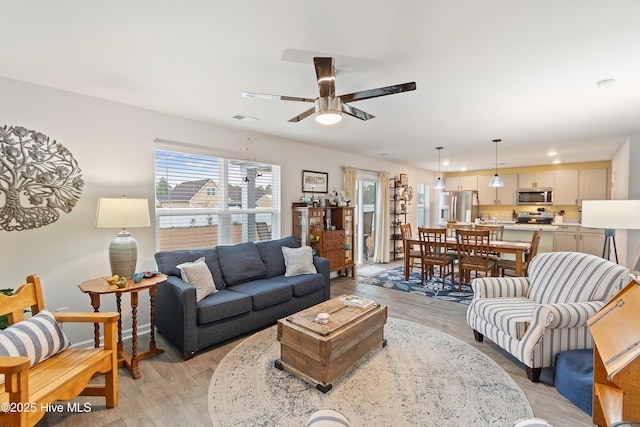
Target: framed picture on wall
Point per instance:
(315, 182)
(404, 179)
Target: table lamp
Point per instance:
(123, 213)
(611, 215)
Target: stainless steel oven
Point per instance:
(535, 196)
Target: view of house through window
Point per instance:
(204, 201)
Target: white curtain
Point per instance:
(349, 184)
(382, 237)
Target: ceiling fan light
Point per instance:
(328, 117)
(496, 181)
(328, 110)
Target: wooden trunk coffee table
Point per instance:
(323, 354)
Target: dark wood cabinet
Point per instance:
(330, 232)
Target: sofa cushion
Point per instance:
(211, 258)
(265, 292)
(298, 261)
(510, 315)
(197, 273)
(168, 261)
(303, 284)
(271, 254)
(240, 263)
(222, 305)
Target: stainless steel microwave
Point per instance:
(535, 196)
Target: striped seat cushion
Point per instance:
(37, 338)
(510, 315)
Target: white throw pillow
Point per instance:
(298, 261)
(197, 273)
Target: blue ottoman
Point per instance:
(574, 377)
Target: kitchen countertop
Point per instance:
(513, 226)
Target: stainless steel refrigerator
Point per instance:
(462, 206)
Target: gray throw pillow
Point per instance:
(240, 263)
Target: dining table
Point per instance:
(517, 248)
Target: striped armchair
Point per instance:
(536, 317)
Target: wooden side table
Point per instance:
(97, 287)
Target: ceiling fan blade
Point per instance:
(275, 97)
(304, 115)
(357, 113)
(326, 74)
(381, 91)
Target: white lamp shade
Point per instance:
(612, 214)
(439, 184)
(496, 181)
(122, 213)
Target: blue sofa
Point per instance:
(253, 292)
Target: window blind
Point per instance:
(204, 201)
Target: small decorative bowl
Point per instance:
(323, 318)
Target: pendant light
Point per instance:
(496, 181)
(439, 184)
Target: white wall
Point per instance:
(625, 184)
(113, 144)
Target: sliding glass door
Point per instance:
(366, 187)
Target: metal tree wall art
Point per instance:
(38, 177)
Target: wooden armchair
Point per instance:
(60, 377)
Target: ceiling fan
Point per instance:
(328, 106)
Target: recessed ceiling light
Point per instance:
(552, 153)
(606, 82)
(557, 161)
(463, 169)
(384, 154)
(445, 163)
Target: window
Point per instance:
(423, 205)
(204, 201)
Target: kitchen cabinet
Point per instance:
(565, 192)
(459, 183)
(592, 184)
(505, 195)
(536, 179)
(574, 186)
(311, 228)
(568, 238)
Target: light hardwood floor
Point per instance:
(174, 392)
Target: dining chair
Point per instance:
(433, 252)
(473, 254)
(508, 265)
(452, 227)
(496, 232)
(414, 254)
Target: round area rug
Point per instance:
(423, 377)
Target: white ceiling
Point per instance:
(522, 71)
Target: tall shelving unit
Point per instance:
(313, 226)
(398, 217)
